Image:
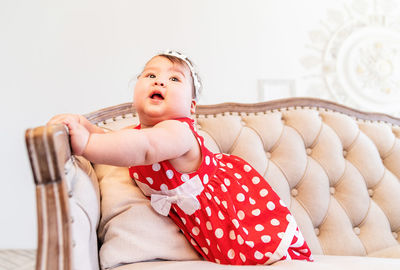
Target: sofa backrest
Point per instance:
(337, 169)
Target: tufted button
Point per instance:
(294, 192)
(316, 230)
(356, 230)
(344, 153)
(332, 190)
(309, 151)
(70, 194)
(395, 235)
(268, 155)
(370, 192)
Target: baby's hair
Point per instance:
(180, 59)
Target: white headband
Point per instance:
(196, 80)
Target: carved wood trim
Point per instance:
(280, 104)
(48, 150)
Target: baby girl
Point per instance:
(223, 206)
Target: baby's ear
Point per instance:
(193, 107)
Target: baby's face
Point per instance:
(163, 91)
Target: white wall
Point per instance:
(78, 56)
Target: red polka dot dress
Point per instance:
(226, 210)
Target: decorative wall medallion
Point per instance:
(355, 56)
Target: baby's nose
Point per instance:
(159, 83)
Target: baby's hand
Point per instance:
(79, 137)
(64, 119)
(77, 131)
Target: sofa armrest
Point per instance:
(67, 196)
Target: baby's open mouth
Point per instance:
(157, 95)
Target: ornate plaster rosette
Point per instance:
(354, 58)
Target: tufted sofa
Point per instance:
(336, 168)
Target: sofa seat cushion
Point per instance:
(325, 262)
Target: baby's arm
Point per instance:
(128, 147)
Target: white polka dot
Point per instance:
(197, 220)
(208, 241)
(231, 254)
(217, 261)
(205, 179)
(218, 248)
(232, 235)
(164, 187)
(223, 188)
(208, 195)
(227, 182)
(225, 204)
(275, 222)
(240, 240)
(258, 255)
(245, 188)
(150, 180)
(222, 164)
(205, 250)
(184, 177)
(240, 214)
(250, 243)
(252, 201)
(238, 176)
(193, 242)
(199, 141)
(242, 257)
(295, 253)
(281, 234)
(256, 212)
(256, 180)
(235, 223)
(266, 238)
(230, 166)
(268, 254)
(219, 156)
(156, 167)
(259, 227)
(222, 169)
(240, 197)
(217, 200)
(207, 160)
(271, 206)
(136, 176)
(208, 225)
(247, 168)
(214, 161)
(169, 174)
(263, 192)
(282, 203)
(220, 215)
(245, 231)
(208, 210)
(195, 230)
(183, 220)
(219, 233)
(211, 187)
(289, 217)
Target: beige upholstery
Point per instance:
(337, 169)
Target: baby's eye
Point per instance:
(151, 75)
(175, 79)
